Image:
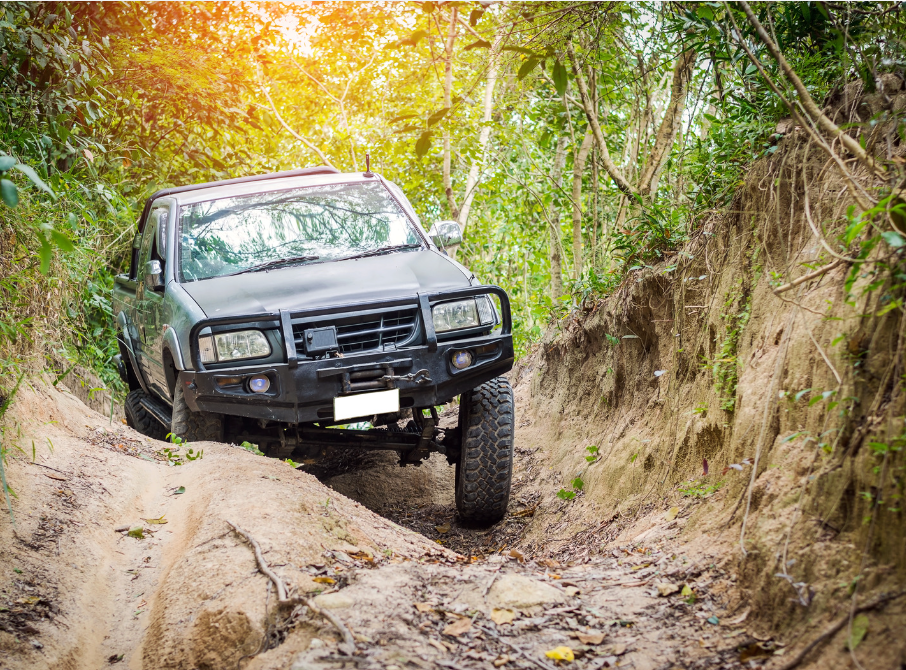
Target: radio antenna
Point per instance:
(368, 172)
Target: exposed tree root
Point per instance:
(283, 597)
(835, 628)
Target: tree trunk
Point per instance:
(578, 168)
(472, 180)
(670, 124)
(448, 85)
(553, 220)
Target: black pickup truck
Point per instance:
(306, 311)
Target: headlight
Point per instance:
(234, 346)
(469, 313)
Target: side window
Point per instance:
(144, 254)
(157, 221)
(163, 217)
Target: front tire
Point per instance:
(140, 419)
(194, 426)
(484, 472)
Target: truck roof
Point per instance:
(215, 192)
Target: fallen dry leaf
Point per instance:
(687, 591)
(458, 627)
(325, 580)
(424, 607)
(30, 600)
(502, 616)
(738, 620)
(503, 659)
(445, 528)
(561, 654)
(571, 591)
(614, 650)
(590, 638)
(517, 555)
(666, 589)
(671, 513)
(437, 645)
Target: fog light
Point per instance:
(461, 359)
(259, 384)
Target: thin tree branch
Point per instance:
(592, 115)
(805, 97)
(292, 132)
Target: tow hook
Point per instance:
(420, 377)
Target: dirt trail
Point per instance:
(78, 594)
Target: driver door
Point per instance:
(149, 304)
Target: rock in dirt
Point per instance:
(334, 601)
(519, 592)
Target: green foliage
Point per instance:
(252, 448)
(698, 488)
(725, 367)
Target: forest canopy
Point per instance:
(573, 142)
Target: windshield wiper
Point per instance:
(274, 263)
(381, 250)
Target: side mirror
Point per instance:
(154, 276)
(446, 234)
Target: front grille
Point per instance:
(366, 333)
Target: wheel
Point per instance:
(484, 471)
(194, 426)
(140, 419)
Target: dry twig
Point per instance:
(283, 598)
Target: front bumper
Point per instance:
(302, 391)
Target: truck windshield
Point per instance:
(303, 225)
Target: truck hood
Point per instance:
(393, 275)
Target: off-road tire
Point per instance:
(485, 468)
(141, 419)
(194, 426)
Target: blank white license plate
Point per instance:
(366, 404)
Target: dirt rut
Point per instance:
(78, 593)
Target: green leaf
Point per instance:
(705, 12)
(402, 118)
(519, 50)
(578, 484)
(179, 491)
(137, 532)
(894, 239)
(45, 253)
(9, 193)
(527, 67)
(858, 632)
(423, 143)
(563, 494)
(6, 162)
(801, 393)
(560, 78)
(477, 44)
(789, 438)
(36, 180)
(61, 240)
(437, 116)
